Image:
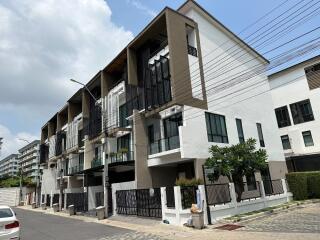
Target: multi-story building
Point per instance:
(9, 166)
(153, 112)
(296, 97)
(29, 160)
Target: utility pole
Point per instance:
(104, 150)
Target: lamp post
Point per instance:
(105, 161)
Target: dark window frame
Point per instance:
(285, 146)
(240, 130)
(251, 182)
(216, 131)
(301, 111)
(282, 115)
(260, 135)
(304, 140)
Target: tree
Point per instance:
(235, 162)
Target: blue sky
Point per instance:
(48, 43)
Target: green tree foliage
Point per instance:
(235, 162)
(15, 182)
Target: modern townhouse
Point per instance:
(9, 166)
(29, 157)
(153, 112)
(296, 97)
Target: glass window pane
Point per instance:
(307, 138)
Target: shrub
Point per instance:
(184, 182)
(304, 185)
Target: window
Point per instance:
(5, 213)
(151, 134)
(216, 128)
(123, 122)
(301, 112)
(283, 118)
(251, 182)
(260, 134)
(307, 138)
(171, 125)
(285, 142)
(123, 142)
(313, 78)
(240, 130)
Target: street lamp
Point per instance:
(105, 167)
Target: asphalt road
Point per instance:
(39, 226)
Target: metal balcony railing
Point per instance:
(164, 144)
(96, 162)
(121, 157)
(75, 169)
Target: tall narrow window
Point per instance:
(260, 134)
(285, 142)
(282, 115)
(307, 138)
(123, 122)
(216, 128)
(301, 112)
(240, 130)
(171, 131)
(151, 134)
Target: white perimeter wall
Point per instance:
(289, 87)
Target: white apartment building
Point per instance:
(296, 97)
(29, 160)
(9, 166)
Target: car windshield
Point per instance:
(5, 212)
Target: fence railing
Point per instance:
(188, 196)
(218, 193)
(273, 187)
(170, 197)
(250, 190)
(121, 157)
(164, 144)
(96, 162)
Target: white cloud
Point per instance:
(142, 7)
(45, 43)
(12, 142)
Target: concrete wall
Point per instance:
(289, 87)
(48, 184)
(9, 196)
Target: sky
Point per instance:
(45, 43)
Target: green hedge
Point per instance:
(304, 185)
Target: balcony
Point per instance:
(96, 162)
(44, 153)
(75, 169)
(121, 156)
(164, 144)
(60, 143)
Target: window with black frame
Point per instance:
(123, 122)
(216, 128)
(301, 111)
(171, 131)
(285, 142)
(307, 138)
(240, 130)
(283, 118)
(260, 135)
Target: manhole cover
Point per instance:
(229, 227)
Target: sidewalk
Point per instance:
(155, 227)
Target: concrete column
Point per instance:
(263, 193)
(204, 201)
(233, 195)
(163, 201)
(177, 202)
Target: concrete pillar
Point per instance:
(142, 172)
(204, 200)
(233, 195)
(263, 193)
(177, 202)
(163, 201)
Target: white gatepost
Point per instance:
(163, 201)
(51, 198)
(285, 189)
(263, 193)
(204, 201)
(177, 202)
(233, 195)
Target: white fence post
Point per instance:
(51, 198)
(204, 201)
(263, 193)
(163, 201)
(177, 202)
(285, 189)
(233, 195)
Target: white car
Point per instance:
(9, 224)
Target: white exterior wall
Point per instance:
(289, 87)
(48, 184)
(232, 99)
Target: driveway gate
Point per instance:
(140, 202)
(79, 200)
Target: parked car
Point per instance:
(9, 224)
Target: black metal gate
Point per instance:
(79, 200)
(140, 202)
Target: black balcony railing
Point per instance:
(121, 157)
(164, 144)
(192, 51)
(75, 169)
(44, 153)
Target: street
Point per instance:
(39, 226)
